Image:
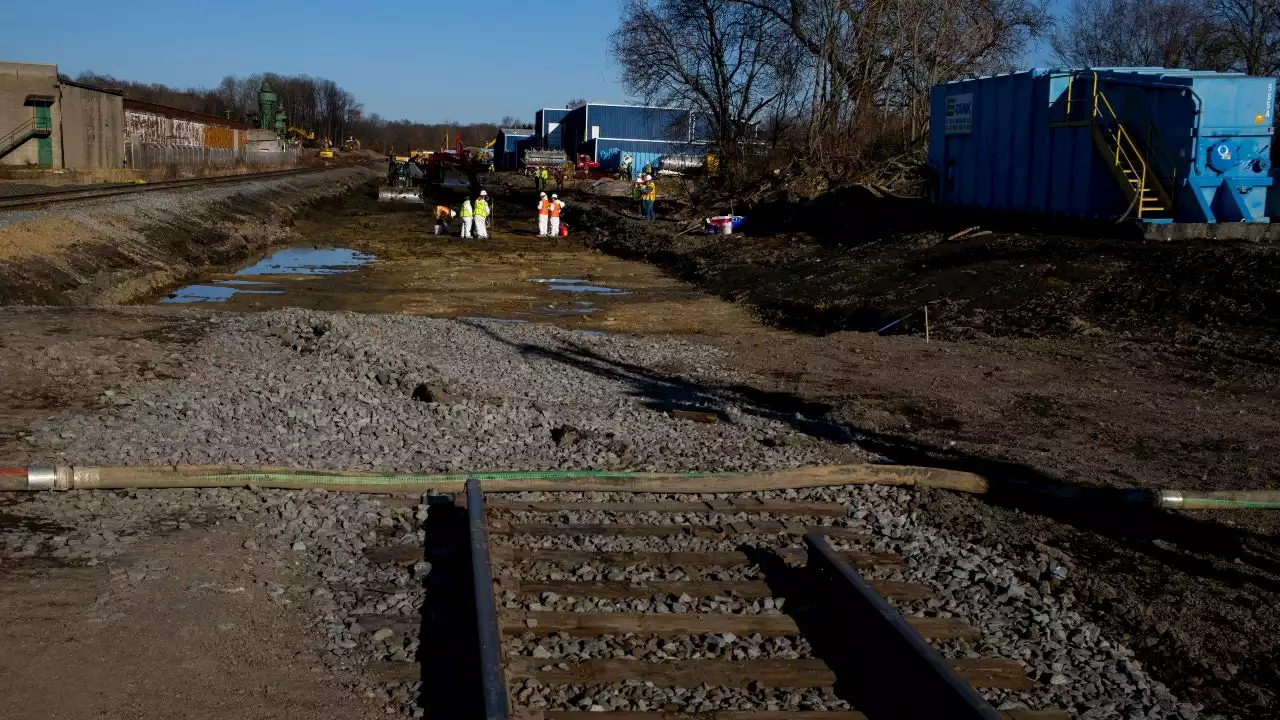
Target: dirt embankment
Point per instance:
(848, 261)
(115, 251)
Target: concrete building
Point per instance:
(57, 124)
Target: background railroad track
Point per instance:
(52, 197)
(738, 609)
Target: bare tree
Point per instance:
(720, 57)
(576, 103)
(1163, 33)
(1250, 40)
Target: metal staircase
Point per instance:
(1143, 168)
(36, 127)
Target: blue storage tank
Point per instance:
(547, 129)
(1163, 145)
(506, 147)
(613, 153)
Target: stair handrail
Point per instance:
(1155, 135)
(1133, 153)
(27, 127)
(1155, 143)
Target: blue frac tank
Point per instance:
(1152, 144)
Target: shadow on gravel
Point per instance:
(802, 606)
(1200, 548)
(447, 645)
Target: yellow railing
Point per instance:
(1157, 152)
(1126, 154)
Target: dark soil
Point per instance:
(1056, 363)
(848, 261)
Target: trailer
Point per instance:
(536, 159)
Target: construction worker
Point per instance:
(637, 190)
(542, 178)
(482, 215)
(467, 217)
(544, 214)
(444, 214)
(559, 179)
(554, 212)
(649, 196)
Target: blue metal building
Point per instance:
(506, 147)
(547, 127)
(611, 134)
(1161, 145)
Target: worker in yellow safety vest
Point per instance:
(482, 215)
(648, 196)
(544, 214)
(542, 178)
(444, 214)
(466, 214)
(554, 211)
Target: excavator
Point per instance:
(441, 167)
(401, 186)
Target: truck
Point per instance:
(536, 159)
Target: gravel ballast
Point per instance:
(308, 389)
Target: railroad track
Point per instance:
(767, 616)
(52, 197)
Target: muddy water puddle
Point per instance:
(373, 260)
(289, 262)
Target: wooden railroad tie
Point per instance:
(744, 589)
(518, 622)
(499, 526)
(410, 554)
(999, 673)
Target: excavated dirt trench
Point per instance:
(358, 255)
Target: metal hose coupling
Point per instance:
(1170, 499)
(50, 478)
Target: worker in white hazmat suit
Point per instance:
(467, 215)
(554, 212)
(544, 214)
(482, 215)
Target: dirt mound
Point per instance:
(848, 260)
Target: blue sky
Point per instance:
(426, 60)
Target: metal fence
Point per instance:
(142, 156)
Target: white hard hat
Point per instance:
(453, 213)
(648, 177)
(542, 194)
(484, 194)
(554, 196)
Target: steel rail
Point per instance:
(27, 200)
(888, 657)
(493, 683)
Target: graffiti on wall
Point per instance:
(145, 127)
